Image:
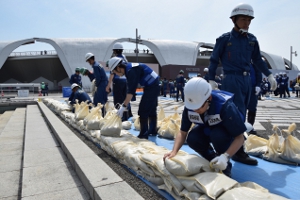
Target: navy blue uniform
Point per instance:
(236, 52)
(180, 82)
(75, 78)
(100, 95)
(165, 86)
(80, 95)
(284, 86)
(219, 125)
(91, 76)
(172, 88)
(256, 79)
(138, 73)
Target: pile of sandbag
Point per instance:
(279, 149)
(168, 127)
(183, 176)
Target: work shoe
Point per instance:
(242, 157)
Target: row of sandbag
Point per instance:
(168, 127)
(185, 175)
(279, 149)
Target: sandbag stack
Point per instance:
(183, 176)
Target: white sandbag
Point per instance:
(112, 126)
(94, 133)
(291, 146)
(93, 122)
(126, 125)
(255, 146)
(253, 185)
(82, 113)
(161, 113)
(94, 111)
(94, 87)
(118, 147)
(156, 180)
(104, 120)
(211, 183)
(244, 193)
(172, 193)
(190, 195)
(137, 125)
(187, 165)
(169, 130)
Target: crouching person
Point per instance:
(217, 121)
(79, 94)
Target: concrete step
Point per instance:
(4, 118)
(47, 173)
(98, 178)
(11, 153)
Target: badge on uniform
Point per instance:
(229, 44)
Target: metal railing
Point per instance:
(33, 53)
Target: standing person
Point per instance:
(277, 78)
(139, 73)
(165, 86)
(172, 88)
(43, 88)
(297, 84)
(217, 121)
(285, 79)
(256, 80)
(206, 75)
(281, 85)
(179, 85)
(76, 78)
(100, 95)
(119, 83)
(235, 50)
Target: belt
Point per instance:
(245, 73)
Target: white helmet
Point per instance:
(88, 56)
(118, 45)
(113, 63)
(205, 70)
(242, 9)
(280, 73)
(74, 85)
(196, 92)
(221, 75)
(284, 73)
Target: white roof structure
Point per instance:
(71, 52)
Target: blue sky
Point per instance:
(276, 23)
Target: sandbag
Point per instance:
(245, 193)
(105, 119)
(211, 183)
(94, 133)
(82, 113)
(96, 110)
(161, 113)
(112, 126)
(255, 146)
(169, 129)
(137, 125)
(126, 125)
(93, 122)
(187, 165)
(190, 195)
(94, 87)
(291, 146)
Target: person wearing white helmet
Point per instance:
(76, 78)
(100, 95)
(235, 50)
(217, 121)
(139, 73)
(79, 94)
(206, 75)
(118, 51)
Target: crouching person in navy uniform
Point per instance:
(79, 94)
(138, 73)
(218, 121)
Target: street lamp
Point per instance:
(137, 41)
(295, 52)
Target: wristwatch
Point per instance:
(227, 155)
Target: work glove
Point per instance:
(219, 162)
(272, 82)
(121, 111)
(249, 127)
(213, 84)
(257, 90)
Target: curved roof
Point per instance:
(71, 52)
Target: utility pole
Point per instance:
(137, 41)
(295, 52)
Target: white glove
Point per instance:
(213, 84)
(121, 111)
(272, 82)
(257, 90)
(249, 127)
(220, 162)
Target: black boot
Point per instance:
(251, 120)
(242, 157)
(144, 128)
(152, 126)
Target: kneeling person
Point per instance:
(79, 94)
(217, 121)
